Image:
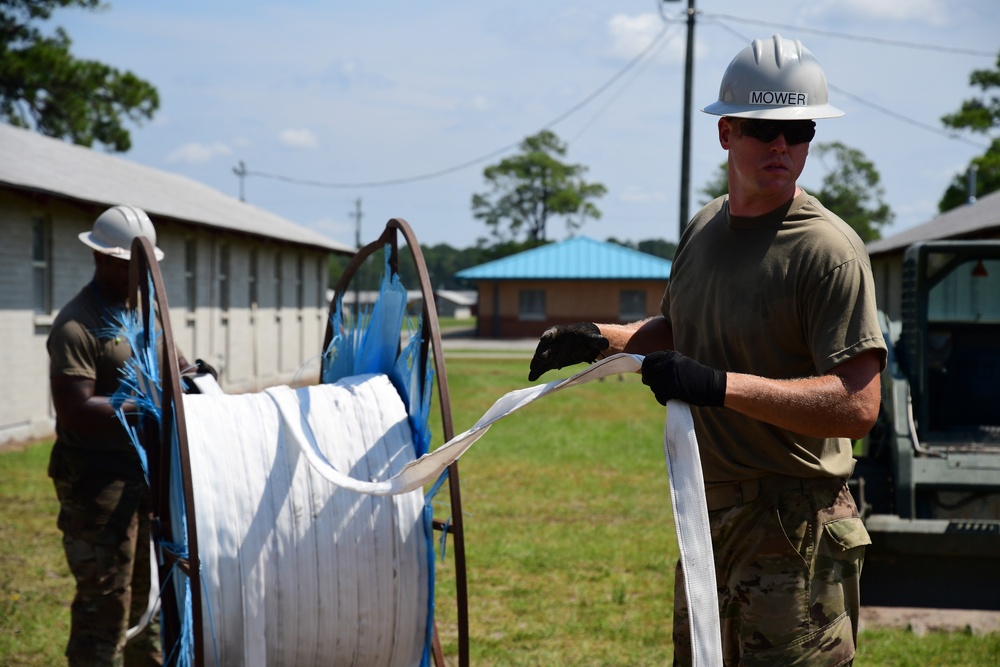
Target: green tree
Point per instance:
(717, 186)
(656, 247)
(980, 115)
(533, 185)
(852, 189)
(44, 88)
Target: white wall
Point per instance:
(251, 347)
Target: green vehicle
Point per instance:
(928, 475)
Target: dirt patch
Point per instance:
(21, 445)
(921, 621)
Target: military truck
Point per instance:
(928, 476)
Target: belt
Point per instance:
(730, 494)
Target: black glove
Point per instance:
(565, 345)
(672, 375)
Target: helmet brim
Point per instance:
(816, 112)
(116, 252)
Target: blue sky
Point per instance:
(352, 93)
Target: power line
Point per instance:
(911, 121)
(857, 38)
(714, 18)
(614, 97)
(643, 55)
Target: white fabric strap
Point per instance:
(153, 599)
(694, 535)
(429, 467)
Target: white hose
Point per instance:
(694, 535)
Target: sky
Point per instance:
(393, 109)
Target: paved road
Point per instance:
(464, 340)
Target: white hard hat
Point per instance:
(777, 79)
(114, 230)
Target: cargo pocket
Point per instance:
(847, 533)
(829, 646)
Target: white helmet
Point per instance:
(114, 230)
(779, 80)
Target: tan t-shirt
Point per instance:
(78, 346)
(786, 295)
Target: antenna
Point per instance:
(241, 172)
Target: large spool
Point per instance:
(295, 570)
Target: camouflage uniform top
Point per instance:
(785, 295)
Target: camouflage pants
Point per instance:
(787, 568)
(105, 526)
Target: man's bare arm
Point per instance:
(843, 403)
(78, 408)
(640, 337)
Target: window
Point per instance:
(190, 275)
(531, 304)
(41, 264)
(300, 282)
(224, 277)
(277, 281)
(632, 305)
(252, 279)
(320, 285)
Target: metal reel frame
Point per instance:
(430, 351)
(143, 270)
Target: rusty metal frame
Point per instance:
(431, 343)
(143, 270)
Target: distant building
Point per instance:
(979, 220)
(580, 279)
(449, 303)
(247, 288)
(460, 304)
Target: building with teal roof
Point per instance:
(580, 279)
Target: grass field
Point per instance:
(569, 538)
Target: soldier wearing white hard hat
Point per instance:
(769, 330)
(103, 497)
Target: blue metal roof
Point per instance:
(579, 258)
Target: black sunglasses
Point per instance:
(795, 131)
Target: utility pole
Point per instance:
(241, 172)
(357, 243)
(686, 132)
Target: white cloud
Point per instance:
(636, 195)
(931, 12)
(298, 138)
(630, 35)
(196, 152)
(480, 103)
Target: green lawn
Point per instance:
(569, 538)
